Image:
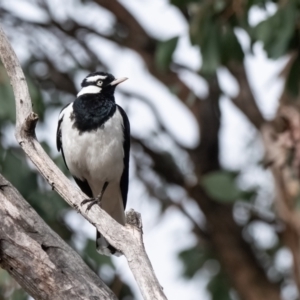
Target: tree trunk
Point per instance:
(40, 261)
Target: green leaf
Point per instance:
(221, 186)
(219, 287)
(249, 195)
(164, 53)
(14, 167)
(231, 48)
(9, 288)
(181, 3)
(19, 294)
(277, 31)
(292, 80)
(7, 103)
(193, 260)
(205, 32)
(210, 50)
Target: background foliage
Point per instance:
(58, 49)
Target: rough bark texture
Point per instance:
(42, 263)
(127, 239)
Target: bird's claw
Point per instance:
(93, 202)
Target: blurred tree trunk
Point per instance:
(235, 254)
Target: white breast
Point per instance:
(97, 155)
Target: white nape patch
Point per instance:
(95, 78)
(90, 89)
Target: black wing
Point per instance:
(58, 133)
(58, 136)
(126, 147)
(84, 186)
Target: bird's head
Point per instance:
(99, 82)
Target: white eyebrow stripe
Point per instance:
(90, 89)
(95, 78)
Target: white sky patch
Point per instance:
(243, 38)
(195, 82)
(186, 54)
(235, 134)
(175, 115)
(145, 11)
(284, 260)
(140, 113)
(228, 83)
(290, 291)
(59, 12)
(80, 225)
(258, 14)
(99, 18)
(263, 234)
(25, 10)
(263, 75)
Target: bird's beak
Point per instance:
(118, 80)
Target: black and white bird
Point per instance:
(93, 136)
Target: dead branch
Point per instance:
(42, 263)
(245, 99)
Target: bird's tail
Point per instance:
(104, 248)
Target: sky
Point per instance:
(165, 236)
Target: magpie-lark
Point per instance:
(93, 136)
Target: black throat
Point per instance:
(91, 111)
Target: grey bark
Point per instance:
(42, 263)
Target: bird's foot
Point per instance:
(93, 201)
(96, 200)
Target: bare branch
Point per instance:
(127, 239)
(282, 155)
(245, 100)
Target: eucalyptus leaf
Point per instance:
(181, 3)
(193, 260)
(293, 80)
(7, 103)
(219, 287)
(221, 186)
(164, 53)
(231, 48)
(277, 31)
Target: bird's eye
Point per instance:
(99, 82)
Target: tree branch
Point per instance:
(42, 263)
(245, 100)
(282, 144)
(127, 239)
